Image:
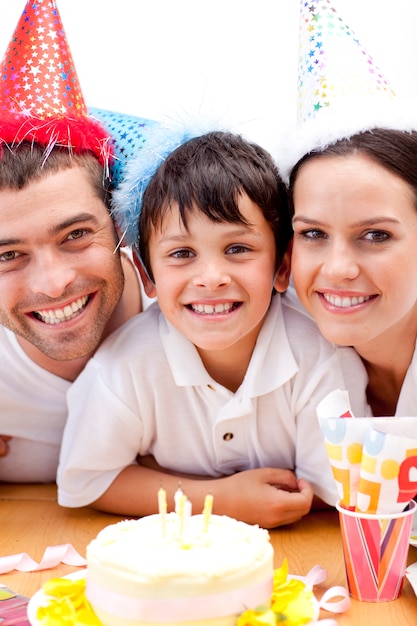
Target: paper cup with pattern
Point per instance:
(375, 549)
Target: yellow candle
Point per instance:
(208, 507)
(181, 513)
(177, 497)
(186, 522)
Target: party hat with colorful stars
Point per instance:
(40, 95)
(129, 134)
(332, 64)
(164, 139)
(341, 90)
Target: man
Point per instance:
(63, 288)
(64, 285)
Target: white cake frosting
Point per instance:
(146, 572)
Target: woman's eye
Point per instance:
(10, 255)
(312, 233)
(377, 236)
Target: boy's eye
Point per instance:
(10, 255)
(182, 254)
(237, 249)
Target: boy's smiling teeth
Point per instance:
(345, 301)
(56, 316)
(221, 307)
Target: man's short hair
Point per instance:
(27, 162)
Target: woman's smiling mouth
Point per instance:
(345, 301)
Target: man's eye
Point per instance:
(10, 255)
(77, 234)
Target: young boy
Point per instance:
(220, 378)
(63, 288)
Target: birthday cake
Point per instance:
(159, 570)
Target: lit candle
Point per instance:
(182, 499)
(177, 497)
(208, 507)
(187, 516)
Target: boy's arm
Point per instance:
(269, 497)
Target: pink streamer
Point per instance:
(328, 603)
(53, 556)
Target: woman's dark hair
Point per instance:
(207, 174)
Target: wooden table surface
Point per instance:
(31, 520)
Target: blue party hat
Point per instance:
(128, 135)
(161, 140)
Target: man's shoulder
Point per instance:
(7, 336)
(10, 347)
(13, 361)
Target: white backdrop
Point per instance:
(235, 60)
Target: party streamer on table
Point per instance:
(53, 556)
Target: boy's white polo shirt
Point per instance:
(146, 391)
(239, 437)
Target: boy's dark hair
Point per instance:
(29, 162)
(393, 149)
(208, 173)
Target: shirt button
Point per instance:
(228, 436)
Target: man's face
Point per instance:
(60, 279)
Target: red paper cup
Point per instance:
(375, 548)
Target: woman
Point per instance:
(355, 255)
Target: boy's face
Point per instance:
(59, 277)
(214, 281)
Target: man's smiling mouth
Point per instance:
(68, 312)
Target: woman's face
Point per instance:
(355, 250)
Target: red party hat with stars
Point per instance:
(40, 94)
(341, 90)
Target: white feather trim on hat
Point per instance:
(341, 121)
